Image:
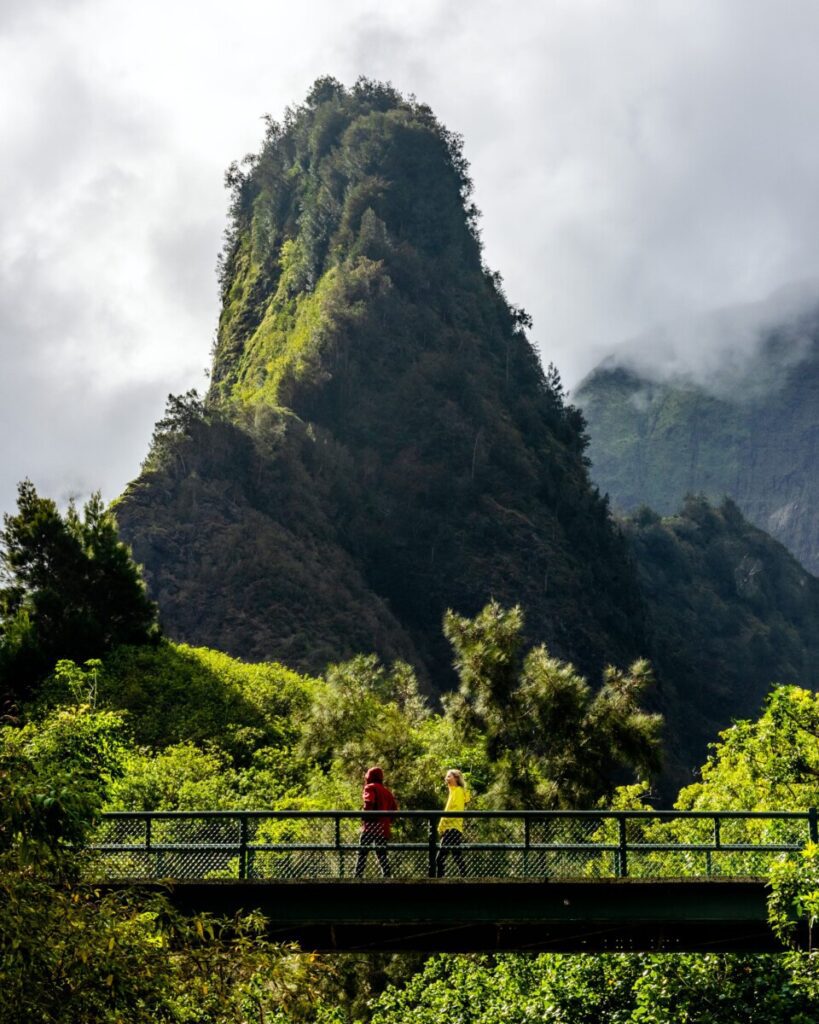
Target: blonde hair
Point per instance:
(459, 777)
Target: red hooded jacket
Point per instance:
(377, 797)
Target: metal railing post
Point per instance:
(622, 860)
(338, 847)
(527, 838)
(813, 824)
(433, 845)
(243, 829)
(148, 822)
(709, 861)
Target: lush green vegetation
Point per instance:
(612, 989)
(772, 762)
(70, 953)
(208, 731)
(167, 726)
(97, 741)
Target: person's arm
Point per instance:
(370, 800)
(443, 822)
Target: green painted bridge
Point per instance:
(525, 880)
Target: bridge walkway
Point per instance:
(563, 881)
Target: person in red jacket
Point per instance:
(375, 831)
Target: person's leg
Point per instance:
(364, 844)
(457, 852)
(448, 840)
(381, 854)
(440, 859)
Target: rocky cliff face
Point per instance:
(755, 440)
(380, 441)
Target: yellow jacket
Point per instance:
(457, 801)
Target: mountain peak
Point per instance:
(382, 442)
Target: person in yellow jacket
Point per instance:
(451, 830)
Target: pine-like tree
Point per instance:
(70, 590)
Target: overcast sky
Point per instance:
(636, 162)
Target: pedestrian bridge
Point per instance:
(532, 880)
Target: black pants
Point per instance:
(451, 841)
(376, 841)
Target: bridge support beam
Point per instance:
(455, 915)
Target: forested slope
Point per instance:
(731, 612)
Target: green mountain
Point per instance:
(751, 434)
(380, 441)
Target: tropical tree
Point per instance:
(553, 741)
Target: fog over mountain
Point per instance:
(634, 165)
(727, 352)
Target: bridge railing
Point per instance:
(494, 844)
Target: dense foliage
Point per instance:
(771, 762)
(209, 731)
(69, 590)
(71, 952)
(612, 989)
(552, 742)
(169, 727)
(380, 441)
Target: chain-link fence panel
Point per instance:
(572, 847)
(341, 845)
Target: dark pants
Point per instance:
(375, 840)
(451, 841)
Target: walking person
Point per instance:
(451, 830)
(375, 831)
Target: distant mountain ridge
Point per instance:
(755, 440)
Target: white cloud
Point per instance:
(636, 163)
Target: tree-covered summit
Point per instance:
(350, 177)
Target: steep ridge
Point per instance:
(380, 441)
(731, 613)
(754, 439)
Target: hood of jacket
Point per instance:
(374, 775)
